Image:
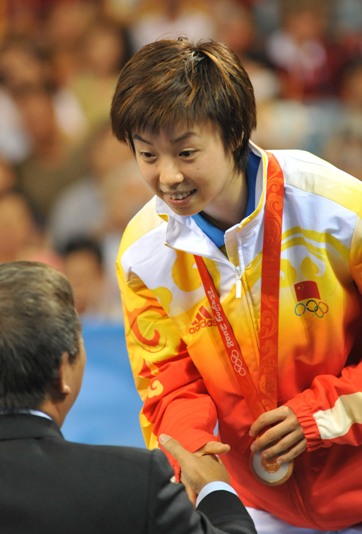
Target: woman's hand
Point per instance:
(213, 447)
(279, 434)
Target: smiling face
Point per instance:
(190, 170)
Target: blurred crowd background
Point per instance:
(68, 188)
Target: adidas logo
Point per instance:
(203, 320)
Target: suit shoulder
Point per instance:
(103, 454)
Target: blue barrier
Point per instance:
(107, 409)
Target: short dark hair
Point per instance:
(172, 81)
(83, 243)
(38, 323)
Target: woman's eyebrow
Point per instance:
(182, 137)
(137, 137)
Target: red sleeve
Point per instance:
(330, 411)
(184, 409)
(175, 400)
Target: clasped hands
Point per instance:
(277, 433)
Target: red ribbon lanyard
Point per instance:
(264, 397)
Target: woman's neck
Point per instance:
(231, 207)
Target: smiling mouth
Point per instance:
(180, 195)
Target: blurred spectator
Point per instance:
(235, 26)
(21, 18)
(101, 204)
(7, 176)
(81, 207)
(283, 124)
(83, 264)
(267, 17)
(23, 63)
(351, 85)
(170, 18)
(343, 141)
(348, 26)
(124, 192)
(307, 58)
(26, 66)
(104, 49)
(344, 146)
(62, 33)
(14, 143)
(17, 226)
(53, 162)
(21, 238)
(308, 61)
(16, 64)
(122, 10)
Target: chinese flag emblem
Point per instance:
(306, 290)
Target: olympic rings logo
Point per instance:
(318, 308)
(237, 363)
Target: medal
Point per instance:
(269, 471)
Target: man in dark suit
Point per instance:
(49, 485)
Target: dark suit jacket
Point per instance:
(49, 485)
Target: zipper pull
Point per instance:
(238, 283)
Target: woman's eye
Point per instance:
(186, 153)
(147, 155)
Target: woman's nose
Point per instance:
(170, 175)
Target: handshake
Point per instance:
(200, 468)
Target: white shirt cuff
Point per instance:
(213, 486)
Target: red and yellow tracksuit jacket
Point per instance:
(178, 359)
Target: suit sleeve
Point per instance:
(170, 510)
(330, 411)
(175, 400)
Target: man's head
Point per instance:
(41, 350)
(173, 82)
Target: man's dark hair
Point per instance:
(173, 81)
(38, 323)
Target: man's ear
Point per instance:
(63, 381)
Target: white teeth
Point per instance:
(179, 196)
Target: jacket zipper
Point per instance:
(238, 283)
